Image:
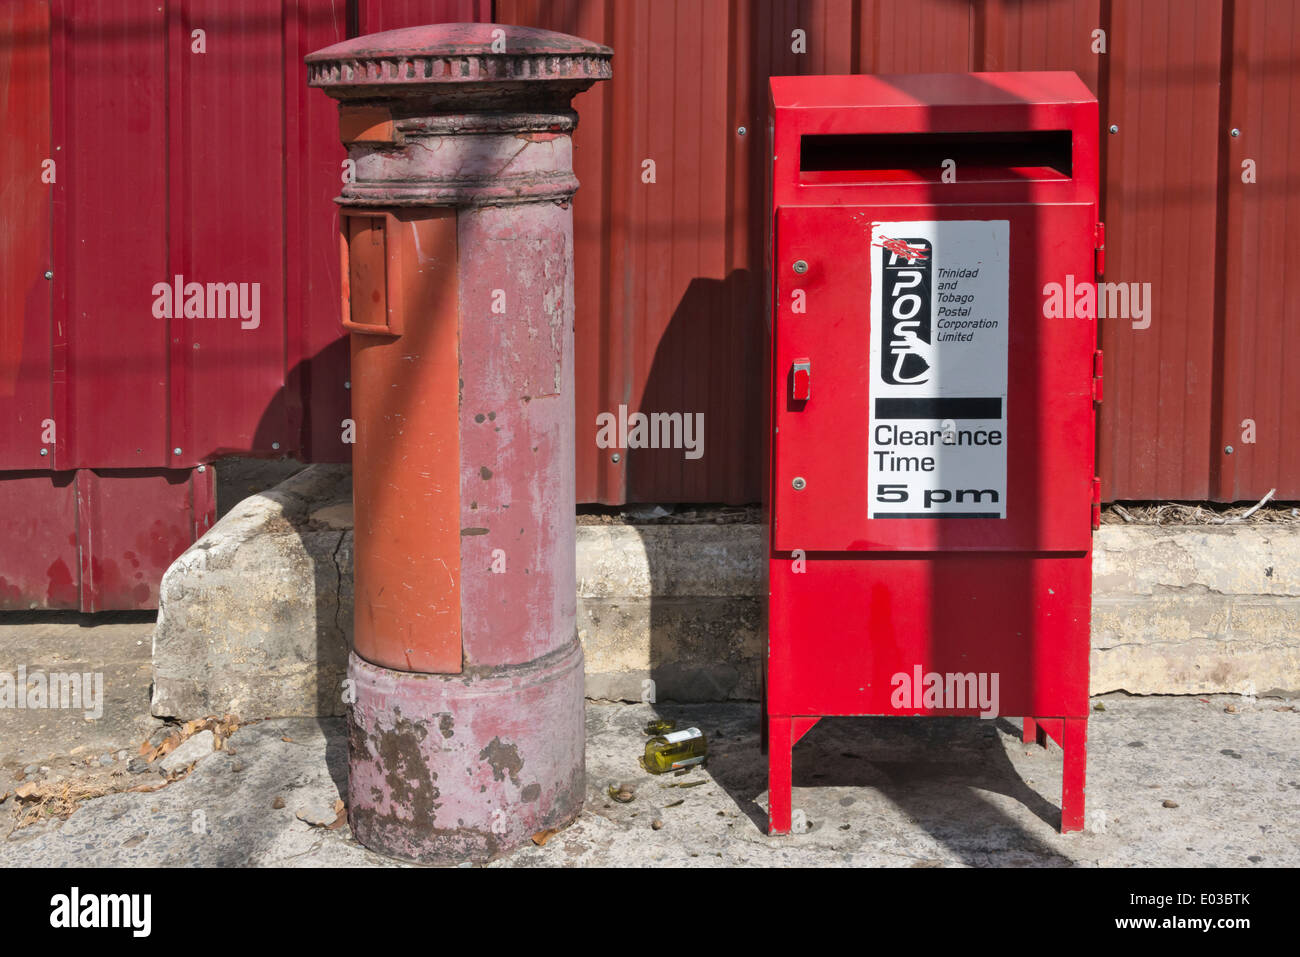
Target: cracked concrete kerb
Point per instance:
(255, 618)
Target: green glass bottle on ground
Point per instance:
(680, 749)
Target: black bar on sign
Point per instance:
(936, 515)
(939, 408)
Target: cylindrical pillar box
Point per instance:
(466, 724)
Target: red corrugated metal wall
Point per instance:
(669, 273)
(219, 166)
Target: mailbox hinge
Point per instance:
(1096, 377)
(1096, 502)
(1099, 243)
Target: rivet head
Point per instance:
(615, 457)
(45, 451)
(1114, 129)
(48, 274)
(275, 445)
(1234, 132)
(800, 266)
(741, 131)
(347, 385)
(799, 484)
(202, 468)
(176, 451)
(1227, 450)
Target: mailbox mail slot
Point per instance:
(931, 501)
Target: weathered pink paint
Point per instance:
(444, 769)
(517, 433)
(466, 765)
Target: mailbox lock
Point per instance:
(801, 380)
(799, 484)
(800, 266)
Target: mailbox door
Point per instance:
(932, 388)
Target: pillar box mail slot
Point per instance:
(932, 494)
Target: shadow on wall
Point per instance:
(700, 650)
(324, 532)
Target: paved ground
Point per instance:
(875, 791)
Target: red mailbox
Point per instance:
(932, 491)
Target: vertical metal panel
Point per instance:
(374, 16)
(1161, 180)
(1042, 35)
(924, 36)
(170, 161)
(1260, 295)
(24, 233)
(130, 528)
(39, 562)
(94, 541)
(315, 393)
(668, 319)
(110, 353)
(229, 137)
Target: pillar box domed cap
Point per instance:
(472, 64)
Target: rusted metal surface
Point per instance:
(86, 547)
(444, 771)
(466, 734)
(517, 432)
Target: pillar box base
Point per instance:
(450, 768)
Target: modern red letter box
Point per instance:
(932, 491)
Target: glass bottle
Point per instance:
(675, 750)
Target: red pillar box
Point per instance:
(466, 733)
(932, 489)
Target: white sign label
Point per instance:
(938, 419)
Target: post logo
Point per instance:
(905, 291)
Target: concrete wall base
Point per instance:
(256, 616)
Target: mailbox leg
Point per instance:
(1034, 733)
(1074, 734)
(780, 749)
